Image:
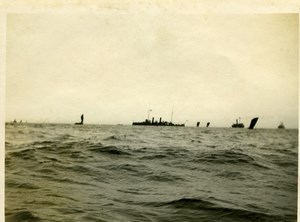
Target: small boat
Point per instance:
(238, 125)
(281, 126)
(207, 124)
(80, 123)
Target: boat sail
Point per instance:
(80, 123)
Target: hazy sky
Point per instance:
(114, 66)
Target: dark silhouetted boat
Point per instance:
(198, 124)
(207, 124)
(147, 122)
(80, 123)
(238, 125)
(154, 122)
(281, 126)
(253, 123)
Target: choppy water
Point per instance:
(138, 173)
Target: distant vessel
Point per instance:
(147, 122)
(198, 124)
(281, 126)
(207, 124)
(80, 123)
(253, 122)
(238, 125)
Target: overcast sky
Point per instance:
(113, 67)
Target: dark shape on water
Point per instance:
(198, 123)
(22, 216)
(80, 123)
(147, 122)
(253, 122)
(207, 124)
(281, 126)
(15, 122)
(237, 124)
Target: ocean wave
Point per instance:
(11, 183)
(206, 131)
(185, 202)
(227, 157)
(222, 175)
(45, 142)
(95, 145)
(154, 156)
(286, 163)
(21, 216)
(207, 210)
(47, 171)
(165, 152)
(52, 159)
(113, 137)
(164, 177)
(136, 169)
(175, 151)
(196, 141)
(114, 150)
(232, 175)
(27, 153)
(280, 160)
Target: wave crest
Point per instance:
(110, 150)
(22, 216)
(227, 157)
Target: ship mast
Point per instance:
(149, 110)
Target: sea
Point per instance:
(65, 172)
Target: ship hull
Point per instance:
(238, 125)
(156, 124)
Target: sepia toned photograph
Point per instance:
(150, 115)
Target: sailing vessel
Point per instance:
(253, 123)
(80, 123)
